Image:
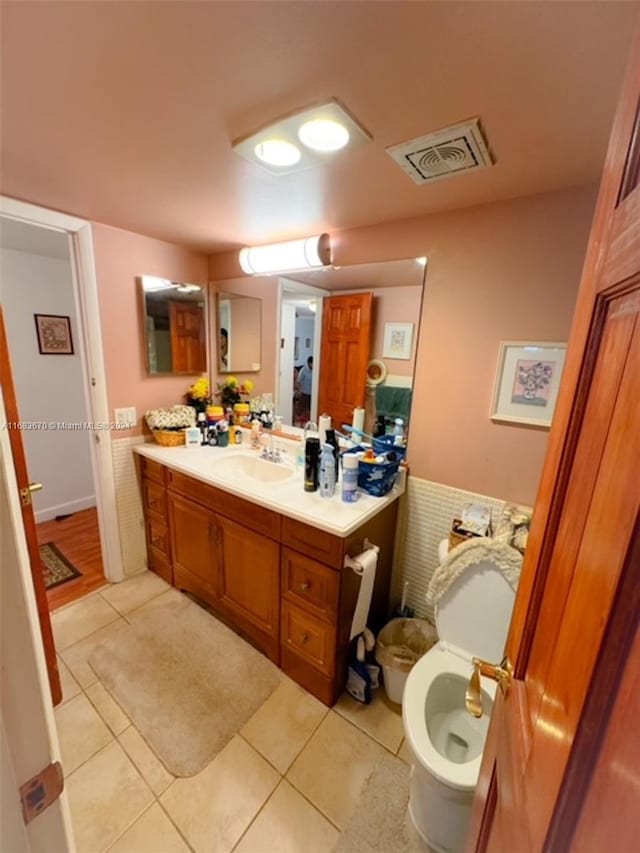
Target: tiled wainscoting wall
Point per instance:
(424, 520)
(129, 504)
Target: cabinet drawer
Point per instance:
(312, 542)
(154, 497)
(158, 537)
(231, 506)
(310, 584)
(153, 469)
(308, 637)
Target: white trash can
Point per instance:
(400, 644)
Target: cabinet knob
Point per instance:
(304, 586)
(304, 638)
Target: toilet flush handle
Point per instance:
(502, 673)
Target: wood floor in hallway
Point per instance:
(78, 538)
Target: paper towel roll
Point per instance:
(324, 423)
(358, 419)
(364, 565)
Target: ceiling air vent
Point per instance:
(450, 151)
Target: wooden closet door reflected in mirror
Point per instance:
(174, 326)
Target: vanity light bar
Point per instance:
(302, 254)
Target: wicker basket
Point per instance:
(168, 437)
(456, 536)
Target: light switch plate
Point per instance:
(127, 416)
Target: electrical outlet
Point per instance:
(126, 417)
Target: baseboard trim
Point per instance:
(49, 513)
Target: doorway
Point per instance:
(43, 328)
(300, 347)
(50, 301)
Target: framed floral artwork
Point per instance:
(527, 382)
(54, 334)
(397, 340)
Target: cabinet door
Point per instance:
(193, 542)
(249, 577)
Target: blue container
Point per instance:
(377, 478)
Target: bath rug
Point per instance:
(57, 568)
(380, 820)
(187, 682)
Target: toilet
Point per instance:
(472, 593)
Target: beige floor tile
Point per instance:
(78, 621)
(214, 808)
(405, 752)
(134, 592)
(284, 723)
(381, 720)
(81, 732)
(70, 686)
(288, 824)
(169, 602)
(153, 770)
(106, 795)
(332, 768)
(108, 708)
(76, 657)
(153, 832)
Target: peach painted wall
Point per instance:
(504, 271)
(120, 257)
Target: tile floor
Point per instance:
(288, 781)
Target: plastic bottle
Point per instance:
(327, 472)
(311, 458)
(398, 432)
(350, 477)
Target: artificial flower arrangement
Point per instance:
(198, 395)
(231, 391)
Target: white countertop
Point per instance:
(287, 497)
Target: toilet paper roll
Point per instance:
(364, 565)
(358, 419)
(324, 423)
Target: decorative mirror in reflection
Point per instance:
(174, 326)
(239, 333)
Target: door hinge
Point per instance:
(41, 790)
(25, 496)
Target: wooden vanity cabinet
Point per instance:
(278, 582)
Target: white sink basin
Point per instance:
(252, 467)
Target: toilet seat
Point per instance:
(439, 660)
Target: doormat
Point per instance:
(57, 568)
(187, 682)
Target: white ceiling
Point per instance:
(23, 237)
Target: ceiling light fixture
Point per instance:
(277, 152)
(307, 253)
(323, 134)
(323, 130)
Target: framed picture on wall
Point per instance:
(397, 340)
(54, 334)
(527, 382)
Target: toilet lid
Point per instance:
(475, 611)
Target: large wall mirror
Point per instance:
(174, 317)
(239, 333)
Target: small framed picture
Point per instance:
(398, 338)
(527, 382)
(54, 334)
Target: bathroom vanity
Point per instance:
(265, 556)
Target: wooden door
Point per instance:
(194, 547)
(346, 348)
(28, 518)
(550, 742)
(250, 582)
(188, 352)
